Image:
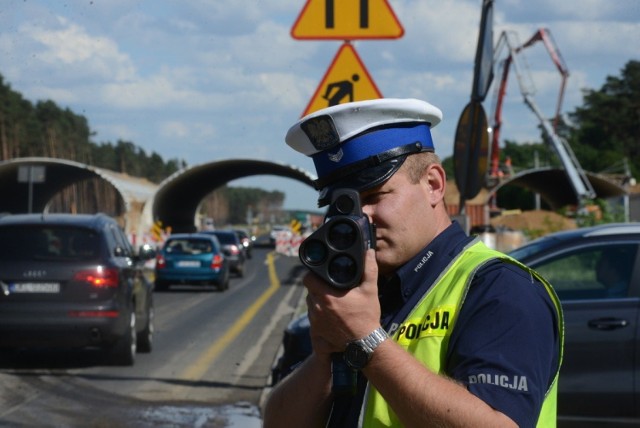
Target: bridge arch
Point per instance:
(59, 174)
(176, 202)
(555, 188)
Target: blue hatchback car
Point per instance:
(191, 259)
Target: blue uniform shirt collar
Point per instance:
(412, 280)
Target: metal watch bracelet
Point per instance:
(373, 339)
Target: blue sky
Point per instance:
(207, 80)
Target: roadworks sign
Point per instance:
(346, 80)
(347, 20)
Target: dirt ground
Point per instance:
(535, 222)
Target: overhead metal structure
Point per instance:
(578, 180)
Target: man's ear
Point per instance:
(436, 180)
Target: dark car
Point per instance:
(596, 273)
(232, 249)
(73, 281)
(191, 259)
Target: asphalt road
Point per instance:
(211, 361)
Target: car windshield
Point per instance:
(188, 246)
(46, 242)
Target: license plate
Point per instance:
(188, 263)
(35, 287)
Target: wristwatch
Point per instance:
(358, 353)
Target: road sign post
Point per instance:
(471, 145)
(31, 174)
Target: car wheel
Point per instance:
(224, 283)
(123, 352)
(240, 270)
(145, 337)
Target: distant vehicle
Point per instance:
(196, 258)
(247, 241)
(73, 281)
(232, 248)
(596, 273)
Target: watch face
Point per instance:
(355, 356)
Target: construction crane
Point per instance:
(508, 41)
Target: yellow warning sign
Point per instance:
(295, 226)
(347, 20)
(346, 80)
(156, 230)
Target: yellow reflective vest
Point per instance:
(426, 331)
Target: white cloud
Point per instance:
(601, 38)
(431, 25)
(174, 129)
(71, 48)
(154, 92)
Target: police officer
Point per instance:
(442, 331)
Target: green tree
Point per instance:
(524, 156)
(45, 129)
(607, 126)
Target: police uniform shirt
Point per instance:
(504, 346)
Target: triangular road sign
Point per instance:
(347, 20)
(346, 80)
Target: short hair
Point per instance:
(416, 164)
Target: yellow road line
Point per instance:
(197, 370)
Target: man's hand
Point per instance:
(338, 316)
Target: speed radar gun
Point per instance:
(336, 253)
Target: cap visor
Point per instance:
(362, 180)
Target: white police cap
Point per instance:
(329, 127)
(362, 144)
